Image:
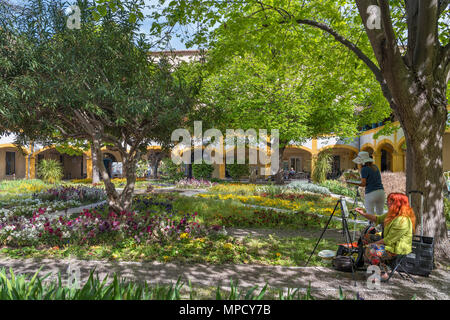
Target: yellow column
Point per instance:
(89, 169)
(222, 171)
(397, 159)
(222, 166)
(32, 168)
(26, 166)
(315, 152)
(377, 158)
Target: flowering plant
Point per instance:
(194, 184)
(92, 227)
(80, 193)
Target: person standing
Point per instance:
(371, 180)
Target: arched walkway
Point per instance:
(74, 167)
(13, 163)
(298, 158)
(384, 155)
(342, 158)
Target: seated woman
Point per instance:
(399, 223)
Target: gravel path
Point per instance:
(325, 282)
(281, 233)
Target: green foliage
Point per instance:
(309, 187)
(20, 287)
(236, 294)
(202, 171)
(97, 83)
(388, 129)
(322, 167)
(171, 170)
(237, 171)
(338, 187)
(50, 170)
(142, 168)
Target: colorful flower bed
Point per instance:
(18, 187)
(93, 227)
(194, 184)
(324, 207)
(79, 193)
(54, 199)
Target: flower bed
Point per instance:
(79, 193)
(324, 207)
(194, 184)
(93, 227)
(18, 187)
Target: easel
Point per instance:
(348, 239)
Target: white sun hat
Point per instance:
(358, 160)
(363, 157)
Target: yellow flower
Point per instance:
(278, 254)
(228, 246)
(184, 235)
(115, 256)
(166, 258)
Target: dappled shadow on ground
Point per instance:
(285, 233)
(325, 282)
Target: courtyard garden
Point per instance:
(167, 226)
(225, 158)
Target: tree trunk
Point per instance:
(279, 176)
(424, 172)
(95, 172)
(126, 198)
(118, 202)
(155, 169)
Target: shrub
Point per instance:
(322, 167)
(338, 187)
(50, 171)
(237, 171)
(83, 194)
(272, 190)
(309, 187)
(194, 184)
(202, 171)
(142, 168)
(171, 170)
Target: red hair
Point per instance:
(399, 207)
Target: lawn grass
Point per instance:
(214, 249)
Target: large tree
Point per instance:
(409, 58)
(95, 84)
(285, 91)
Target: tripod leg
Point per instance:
(324, 229)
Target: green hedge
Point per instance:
(237, 171)
(202, 171)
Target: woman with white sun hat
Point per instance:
(371, 180)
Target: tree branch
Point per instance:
(372, 66)
(427, 40)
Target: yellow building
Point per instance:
(388, 152)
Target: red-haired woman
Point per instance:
(399, 224)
